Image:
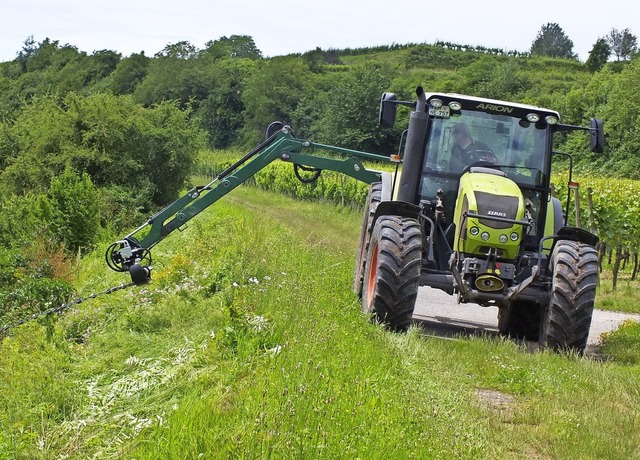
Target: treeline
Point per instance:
(438, 44)
(232, 93)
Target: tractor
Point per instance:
(468, 210)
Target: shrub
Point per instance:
(71, 210)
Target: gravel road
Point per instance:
(442, 316)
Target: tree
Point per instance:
(114, 140)
(235, 46)
(349, 115)
(221, 113)
(598, 55)
(552, 41)
(99, 65)
(129, 73)
(180, 50)
(623, 43)
(28, 49)
(272, 93)
(167, 78)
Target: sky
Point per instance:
(281, 27)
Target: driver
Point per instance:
(466, 151)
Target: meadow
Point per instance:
(249, 343)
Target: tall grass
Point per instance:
(250, 344)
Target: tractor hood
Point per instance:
(487, 207)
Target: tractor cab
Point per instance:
(469, 136)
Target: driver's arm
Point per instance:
(457, 160)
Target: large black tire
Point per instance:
(373, 200)
(520, 321)
(392, 274)
(567, 319)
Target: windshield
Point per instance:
(515, 145)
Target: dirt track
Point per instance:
(442, 316)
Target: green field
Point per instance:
(249, 343)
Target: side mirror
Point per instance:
(387, 116)
(596, 131)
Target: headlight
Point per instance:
(514, 236)
(503, 238)
(474, 231)
(484, 236)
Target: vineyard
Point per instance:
(608, 207)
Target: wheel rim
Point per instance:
(373, 276)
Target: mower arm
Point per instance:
(132, 253)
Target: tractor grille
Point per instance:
(498, 206)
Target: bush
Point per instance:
(114, 140)
(71, 210)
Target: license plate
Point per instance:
(442, 112)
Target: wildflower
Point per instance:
(258, 323)
(275, 350)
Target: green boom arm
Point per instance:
(131, 254)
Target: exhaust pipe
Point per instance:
(413, 149)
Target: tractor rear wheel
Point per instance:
(567, 319)
(373, 199)
(392, 274)
(521, 320)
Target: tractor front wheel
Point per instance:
(567, 319)
(392, 274)
(373, 200)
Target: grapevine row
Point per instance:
(610, 208)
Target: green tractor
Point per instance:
(472, 214)
(468, 211)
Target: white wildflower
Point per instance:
(275, 350)
(258, 323)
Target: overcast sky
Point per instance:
(288, 26)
